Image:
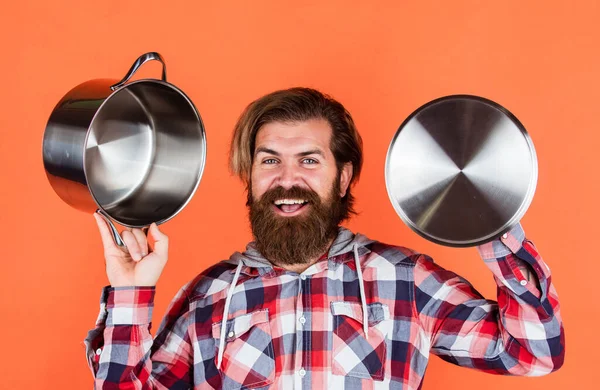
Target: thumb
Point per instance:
(161, 241)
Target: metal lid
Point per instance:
(461, 170)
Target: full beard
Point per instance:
(299, 239)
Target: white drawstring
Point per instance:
(363, 299)
(226, 314)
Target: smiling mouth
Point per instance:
(290, 206)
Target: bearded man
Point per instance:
(309, 304)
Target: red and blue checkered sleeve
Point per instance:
(121, 351)
(519, 334)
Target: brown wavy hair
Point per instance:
(297, 105)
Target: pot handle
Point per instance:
(115, 233)
(139, 62)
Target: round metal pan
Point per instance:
(132, 151)
(461, 170)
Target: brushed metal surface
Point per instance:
(145, 153)
(461, 170)
(134, 151)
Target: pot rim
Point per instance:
(202, 158)
(510, 222)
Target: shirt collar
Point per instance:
(340, 252)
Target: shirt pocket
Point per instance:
(354, 354)
(248, 357)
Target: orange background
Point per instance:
(382, 60)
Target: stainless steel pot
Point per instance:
(461, 170)
(135, 152)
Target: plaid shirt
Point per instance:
(307, 331)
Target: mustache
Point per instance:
(294, 240)
(290, 193)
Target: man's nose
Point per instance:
(289, 176)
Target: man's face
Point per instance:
(294, 155)
(295, 190)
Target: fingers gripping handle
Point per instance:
(115, 233)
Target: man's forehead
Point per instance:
(313, 133)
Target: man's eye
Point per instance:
(309, 161)
(270, 161)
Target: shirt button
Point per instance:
(302, 320)
(303, 277)
(505, 236)
(230, 334)
(302, 372)
(523, 282)
(98, 351)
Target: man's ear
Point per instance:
(345, 178)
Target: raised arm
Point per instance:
(120, 350)
(520, 334)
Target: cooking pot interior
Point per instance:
(145, 153)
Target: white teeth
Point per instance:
(279, 202)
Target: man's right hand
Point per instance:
(137, 264)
